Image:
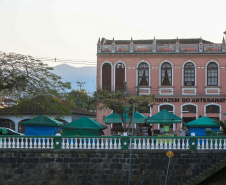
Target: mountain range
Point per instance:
(85, 75)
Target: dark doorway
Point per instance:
(188, 119)
(106, 77)
(119, 77)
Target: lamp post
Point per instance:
(125, 92)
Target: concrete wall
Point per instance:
(96, 167)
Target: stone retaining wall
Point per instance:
(101, 167)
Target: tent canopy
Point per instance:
(3, 130)
(85, 123)
(41, 130)
(42, 120)
(202, 122)
(164, 117)
(116, 118)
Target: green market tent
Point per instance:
(116, 118)
(164, 117)
(42, 126)
(202, 122)
(198, 126)
(42, 120)
(83, 126)
(3, 131)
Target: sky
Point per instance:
(68, 30)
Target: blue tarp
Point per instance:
(40, 131)
(200, 131)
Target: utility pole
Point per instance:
(80, 84)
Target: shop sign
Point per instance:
(190, 100)
(169, 154)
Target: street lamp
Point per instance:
(125, 92)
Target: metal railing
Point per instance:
(114, 142)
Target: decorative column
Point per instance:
(131, 49)
(200, 45)
(99, 46)
(177, 46)
(113, 46)
(223, 45)
(154, 46)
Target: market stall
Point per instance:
(83, 127)
(166, 118)
(199, 126)
(42, 125)
(139, 119)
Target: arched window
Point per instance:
(189, 74)
(169, 108)
(7, 123)
(106, 76)
(189, 109)
(212, 74)
(212, 109)
(119, 76)
(143, 74)
(166, 74)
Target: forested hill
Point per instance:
(81, 74)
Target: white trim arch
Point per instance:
(190, 104)
(213, 113)
(11, 123)
(172, 112)
(196, 114)
(149, 72)
(183, 71)
(112, 70)
(115, 70)
(218, 70)
(160, 74)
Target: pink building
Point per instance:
(187, 76)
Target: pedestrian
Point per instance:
(182, 132)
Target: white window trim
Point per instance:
(183, 72)
(149, 91)
(183, 93)
(218, 70)
(112, 70)
(160, 91)
(196, 114)
(213, 113)
(218, 89)
(149, 75)
(160, 75)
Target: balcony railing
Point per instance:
(114, 142)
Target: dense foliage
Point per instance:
(22, 75)
(80, 99)
(119, 103)
(29, 81)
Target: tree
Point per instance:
(120, 103)
(43, 104)
(80, 99)
(23, 75)
(222, 125)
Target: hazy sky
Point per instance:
(69, 29)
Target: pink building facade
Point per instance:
(187, 76)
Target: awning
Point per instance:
(202, 122)
(116, 118)
(85, 123)
(164, 117)
(43, 120)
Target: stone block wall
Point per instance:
(101, 167)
